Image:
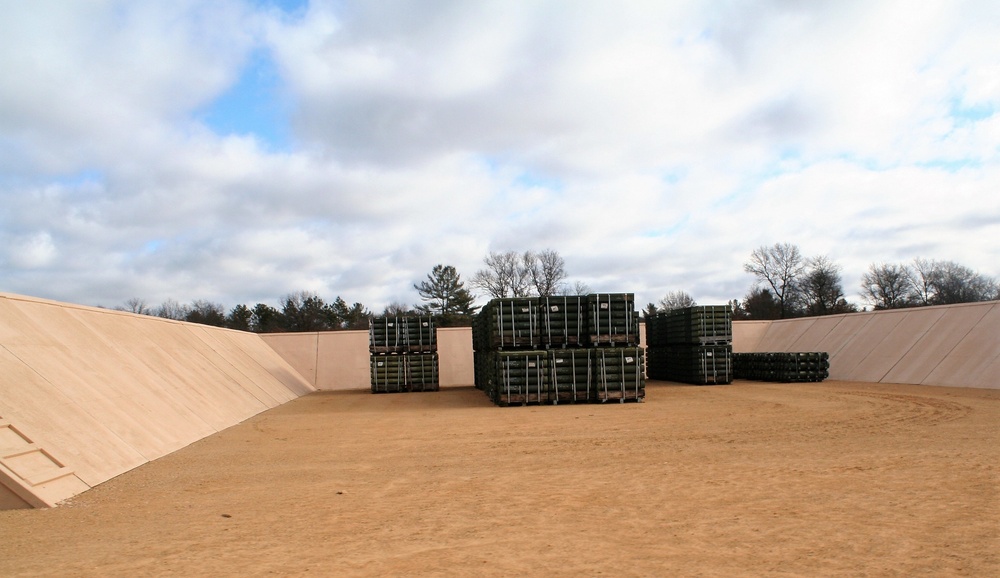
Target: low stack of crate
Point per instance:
(404, 354)
(618, 373)
(691, 345)
(786, 367)
(565, 349)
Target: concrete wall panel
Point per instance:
(975, 358)
(455, 356)
(813, 338)
(904, 330)
(104, 391)
(298, 350)
(31, 402)
(935, 343)
(344, 360)
(861, 345)
(747, 335)
(782, 335)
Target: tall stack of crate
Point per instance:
(403, 352)
(691, 345)
(569, 349)
(784, 367)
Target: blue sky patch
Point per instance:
(255, 105)
(966, 114)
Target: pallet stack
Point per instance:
(691, 345)
(403, 353)
(566, 349)
(785, 367)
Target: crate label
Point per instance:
(554, 308)
(708, 354)
(424, 324)
(604, 305)
(379, 363)
(559, 360)
(389, 324)
(525, 309)
(531, 364)
(628, 360)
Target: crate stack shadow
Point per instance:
(565, 349)
(691, 345)
(404, 356)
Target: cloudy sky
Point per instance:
(238, 151)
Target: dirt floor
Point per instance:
(752, 479)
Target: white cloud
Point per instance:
(653, 144)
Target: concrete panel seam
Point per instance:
(930, 329)
(271, 402)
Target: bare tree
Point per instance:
(676, 300)
(504, 276)
(206, 313)
(822, 289)
(135, 305)
(951, 282)
(548, 271)
(922, 274)
(576, 288)
(171, 309)
(396, 309)
(780, 267)
(887, 286)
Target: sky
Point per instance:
(239, 151)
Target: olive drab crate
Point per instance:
(786, 367)
(691, 345)
(404, 354)
(559, 349)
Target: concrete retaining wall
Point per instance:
(87, 393)
(334, 360)
(950, 345)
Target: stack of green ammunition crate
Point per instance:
(784, 367)
(404, 354)
(565, 349)
(691, 345)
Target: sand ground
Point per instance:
(758, 479)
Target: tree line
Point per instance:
(301, 311)
(786, 284)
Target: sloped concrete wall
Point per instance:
(87, 393)
(950, 345)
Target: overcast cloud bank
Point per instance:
(240, 151)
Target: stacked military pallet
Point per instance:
(404, 373)
(566, 349)
(407, 334)
(563, 320)
(570, 370)
(520, 378)
(404, 354)
(783, 367)
(612, 320)
(691, 345)
(619, 373)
